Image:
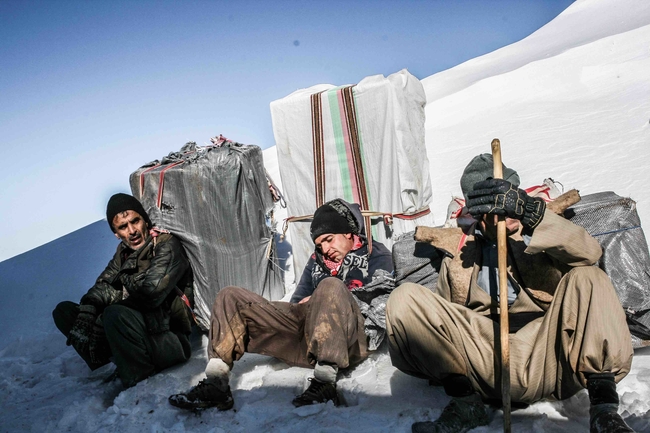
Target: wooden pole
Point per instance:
(503, 296)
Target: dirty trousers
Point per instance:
(329, 328)
(583, 331)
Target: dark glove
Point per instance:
(500, 197)
(100, 351)
(81, 331)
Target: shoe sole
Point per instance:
(227, 405)
(300, 403)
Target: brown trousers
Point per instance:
(329, 328)
(584, 331)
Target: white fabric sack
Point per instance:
(390, 124)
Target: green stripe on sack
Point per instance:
(341, 154)
(363, 161)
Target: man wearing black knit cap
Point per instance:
(135, 315)
(336, 314)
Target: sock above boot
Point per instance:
(218, 372)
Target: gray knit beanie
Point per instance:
(482, 168)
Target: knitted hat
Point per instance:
(119, 203)
(482, 168)
(333, 217)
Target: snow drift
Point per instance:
(571, 102)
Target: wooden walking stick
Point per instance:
(504, 324)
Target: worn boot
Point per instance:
(464, 412)
(206, 394)
(603, 413)
(213, 391)
(460, 415)
(318, 392)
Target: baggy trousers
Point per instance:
(583, 331)
(329, 328)
(136, 353)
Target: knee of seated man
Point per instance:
(330, 286)
(65, 308)
(226, 293)
(400, 302)
(590, 276)
(114, 315)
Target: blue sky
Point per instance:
(91, 90)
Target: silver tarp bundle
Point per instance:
(415, 262)
(615, 223)
(217, 201)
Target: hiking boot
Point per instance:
(318, 392)
(204, 395)
(604, 418)
(460, 415)
(603, 413)
(111, 377)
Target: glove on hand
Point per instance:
(100, 351)
(81, 330)
(500, 197)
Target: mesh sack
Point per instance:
(615, 223)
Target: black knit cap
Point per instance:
(333, 217)
(121, 202)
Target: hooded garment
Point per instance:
(369, 278)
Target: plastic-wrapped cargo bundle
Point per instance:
(362, 143)
(217, 201)
(415, 262)
(615, 223)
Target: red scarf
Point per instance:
(334, 266)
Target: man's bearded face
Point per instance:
(130, 228)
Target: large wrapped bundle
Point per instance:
(217, 201)
(615, 223)
(362, 143)
(415, 262)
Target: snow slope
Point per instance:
(572, 102)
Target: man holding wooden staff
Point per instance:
(567, 329)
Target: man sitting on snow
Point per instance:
(568, 330)
(322, 327)
(133, 314)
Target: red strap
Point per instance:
(162, 181)
(461, 244)
(142, 179)
(540, 191)
(186, 302)
(413, 216)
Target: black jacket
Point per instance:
(151, 277)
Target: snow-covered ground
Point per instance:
(571, 102)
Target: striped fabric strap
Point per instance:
(367, 214)
(317, 140)
(357, 158)
(345, 98)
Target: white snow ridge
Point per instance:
(570, 102)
